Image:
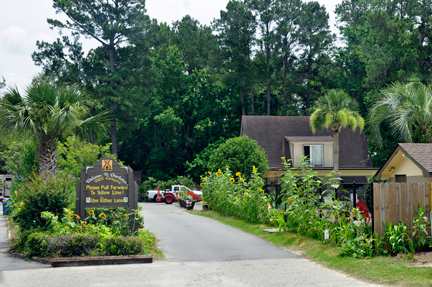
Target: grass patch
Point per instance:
(384, 270)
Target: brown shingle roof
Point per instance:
(270, 133)
(421, 153)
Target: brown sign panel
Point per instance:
(106, 184)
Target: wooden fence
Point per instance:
(394, 202)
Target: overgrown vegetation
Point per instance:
(380, 269)
(310, 206)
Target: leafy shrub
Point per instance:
(239, 154)
(199, 165)
(122, 246)
(72, 245)
(38, 195)
(37, 244)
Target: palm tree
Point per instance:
(46, 112)
(336, 110)
(407, 108)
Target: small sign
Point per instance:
(326, 234)
(88, 199)
(107, 165)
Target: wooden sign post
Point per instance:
(106, 184)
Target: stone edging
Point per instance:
(101, 260)
(88, 261)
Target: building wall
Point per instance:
(401, 165)
(417, 179)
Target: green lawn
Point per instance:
(385, 270)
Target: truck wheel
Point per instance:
(154, 198)
(169, 199)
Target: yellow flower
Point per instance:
(241, 179)
(16, 205)
(238, 173)
(125, 215)
(209, 173)
(244, 193)
(66, 227)
(219, 171)
(22, 203)
(232, 179)
(91, 212)
(78, 217)
(205, 179)
(71, 212)
(102, 215)
(261, 190)
(253, 168)
(289, 200)
(236, 197)
(201, 185)
(201, 176)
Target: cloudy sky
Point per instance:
(23, 22)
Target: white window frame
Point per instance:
(310, 162)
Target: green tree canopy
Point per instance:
(239, 154)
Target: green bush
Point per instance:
(72, 245)
(38, 195)
(239, 155)
(123, 246)
(37, 244)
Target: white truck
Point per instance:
(173, 192)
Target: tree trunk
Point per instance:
(268, 97)
(336, 131)
(252, 100)
(242, 99)
(91, 137)
(113, 107)
(47, 158)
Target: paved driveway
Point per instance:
(187, 237)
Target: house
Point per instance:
(292, 137)
(408, 162)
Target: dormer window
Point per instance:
(314, 154)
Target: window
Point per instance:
(314, 154)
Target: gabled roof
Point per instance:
(418, 153)
(271, 131)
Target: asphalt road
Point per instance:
(185, 237)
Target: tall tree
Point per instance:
(236, 28)
(46, 112)
(315, 39)
(196, 42)
(111, 23)
(287, 20)
(336, 110)
(265, 14)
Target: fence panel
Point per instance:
(394, 202)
